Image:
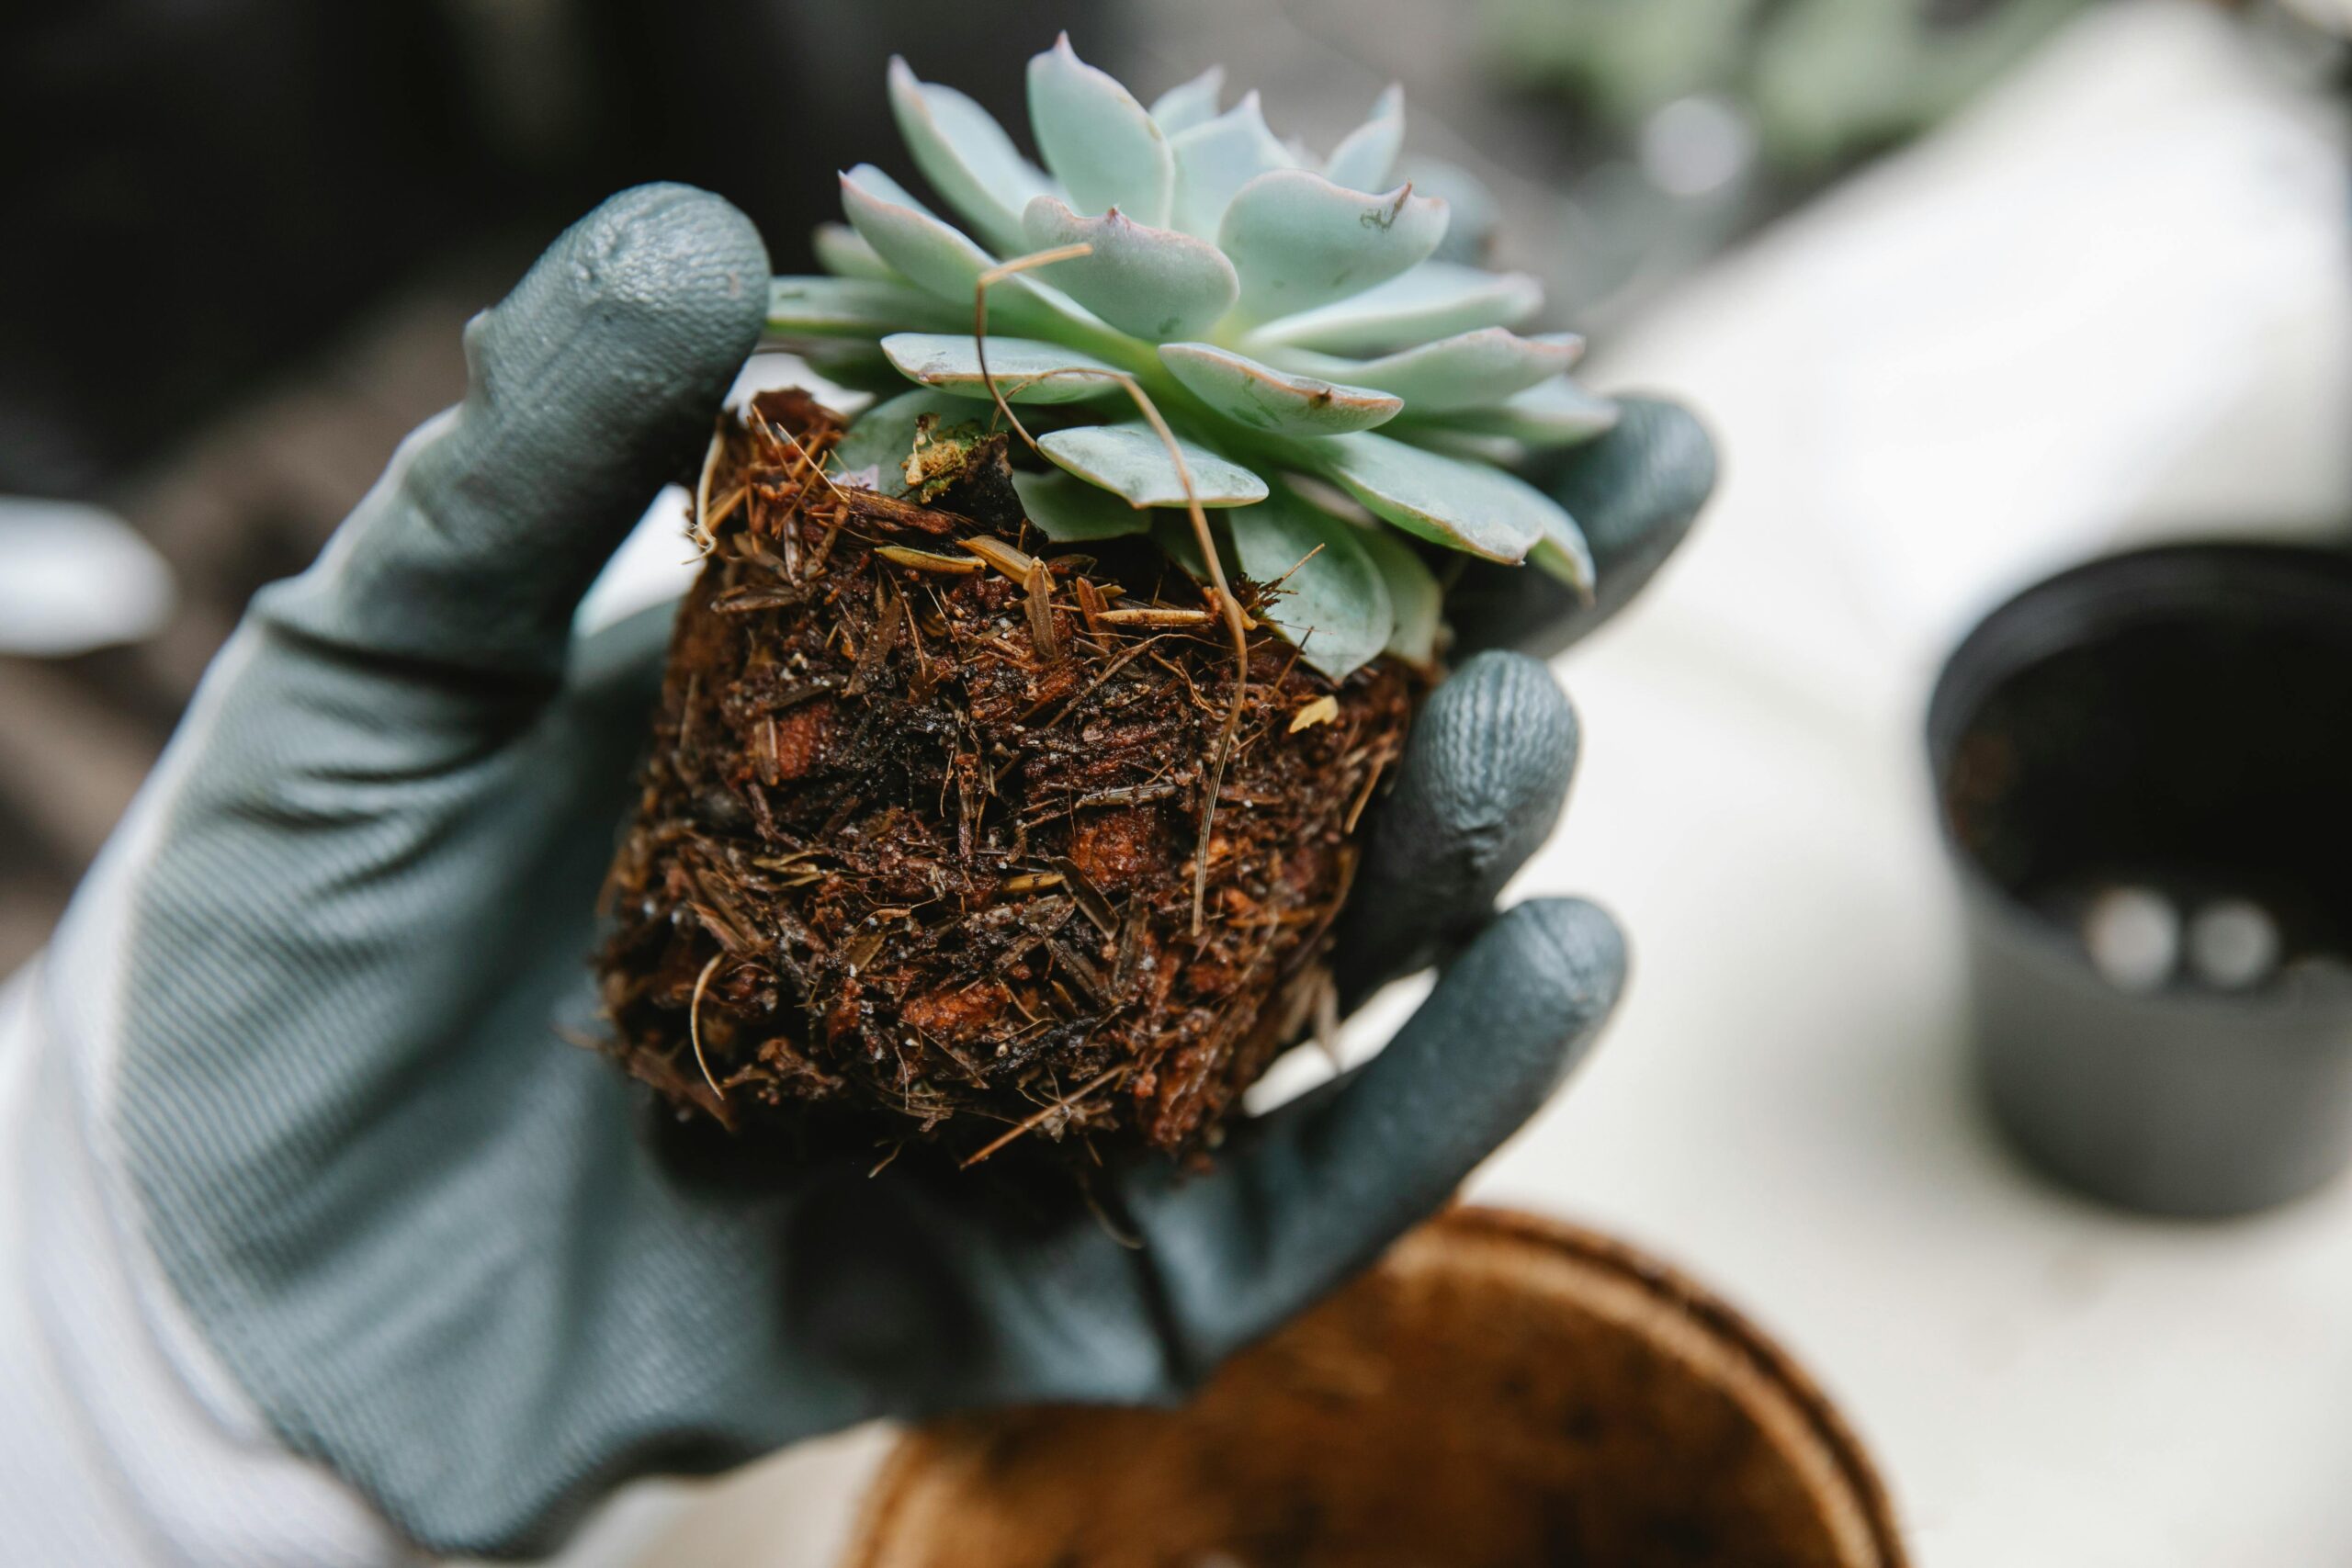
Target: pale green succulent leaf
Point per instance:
(1072, 510)
(1416, 600)
(1557, 412)
(1216, 158)
(881, 437)
(1469, 370)
(850, 307)
(1266, 398)
(1334, 605)
(931, 254)
(1467, 506)
(1102, 144)
(941, 260)
(842, 252)
(1564, 552)
(882, 188)
(1474, 214)
(1026, 370)
(1298, 241)
(1283, 308)
(966, 156)
(1151, 283)
(1189, 103)
(1434, 299)
(1472, 445)
(854, 362)
(1362, 159)
(1130, 460)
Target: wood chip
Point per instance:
(923, 561)
(1015, 564)
(1322, 710)
(726, 508)
(743, 600)
(1090, 901)
(1040, 584)
(768, 758)
(1129, 795)
(873, 504)
(1157, 616)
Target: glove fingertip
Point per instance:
(667, 275)
(1635, 490)
(1484, 779)
(1571, 957)
(1492, 755)
(1320, 1185)
(588, 387)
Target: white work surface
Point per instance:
(2110, 305)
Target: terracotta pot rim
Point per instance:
(1729, 1327)
(1726, 1330)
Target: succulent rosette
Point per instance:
(1325, 371)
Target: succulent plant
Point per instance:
(1320, 367)
(948, 839)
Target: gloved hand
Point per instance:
(306, 1009)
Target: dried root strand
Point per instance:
(1044, 1114)
(694, 1033)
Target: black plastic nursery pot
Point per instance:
(2144, 767)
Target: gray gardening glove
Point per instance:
(433, 1244)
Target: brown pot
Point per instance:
(1499, 1391)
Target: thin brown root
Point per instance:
(1111, 1228)
(705, 540)
(980, 286)
(693, 1025)
(726, 509)
(1044, 1113)
(1099, 681)
(1293, 570)
(1371, 781)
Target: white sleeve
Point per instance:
(123, 1439)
